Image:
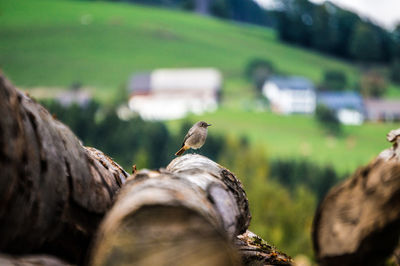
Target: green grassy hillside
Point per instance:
(54, 43)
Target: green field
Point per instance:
(300, 137)
(54, 43)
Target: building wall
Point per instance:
(173, 93)
(289, 101)
(350, 117)
(171, 106)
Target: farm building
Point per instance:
(348, 106)
(382, 110)
(288, 95)
(173, 93)
(78, 97)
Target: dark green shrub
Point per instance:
(335, 80)
(328, 120)
(258, 70)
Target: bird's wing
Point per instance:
(190, 133)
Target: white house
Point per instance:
(289, 95)
(173, 93)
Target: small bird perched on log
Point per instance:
(195, 137)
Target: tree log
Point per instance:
(36, 260)
(53, 191)
(183, 215)
(187, 214)
(221, 188)
(358, 222)
(255, 251)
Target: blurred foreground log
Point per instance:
(358, 222)
(255, 251)
(187, 214)
(37, 260)
(53, 191)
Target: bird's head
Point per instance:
(203, 124)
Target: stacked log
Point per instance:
(54, 193)
(195, 209)
(358, 222)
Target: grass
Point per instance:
(54, 43)
(393, 91)
(300, 137)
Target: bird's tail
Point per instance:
(182, 150)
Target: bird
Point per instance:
(195, 137)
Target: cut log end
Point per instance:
(358, 222)
(165, 235)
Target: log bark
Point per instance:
(32, 260)
(53, 191)
(255, 251)
(171, 217)
(358, 222)
(221, 188)
(187, 214)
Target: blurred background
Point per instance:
(299, 93)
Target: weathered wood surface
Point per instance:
(182, 215)
(187, 214)
(255, 251)
(53, 191)
(221, 187)
(32, 260)
(358, 222)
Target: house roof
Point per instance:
(140, 83)
(340, 100)
(292, 83)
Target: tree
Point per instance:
(294, 21)
(258, 70)
(323, 34)
(295, 173)
(365, 44)
(331, 29)
(327, 118)
(334, 79)
(396, 42)
(345, 22)
(221, 9)
(373, 83)
(395, 71)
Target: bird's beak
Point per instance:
(208, 125)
